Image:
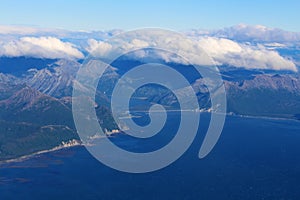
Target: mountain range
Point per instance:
(259, 72)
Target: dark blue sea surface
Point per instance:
(254, 159)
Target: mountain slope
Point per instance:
(265, 95)
(30, 105)
(36, 104)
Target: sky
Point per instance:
(133, 14)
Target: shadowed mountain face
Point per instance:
(35, 108)
(55, 80)
(35, 99)
(265, 95)
(18, 65)
(29, 105)
(31, 121)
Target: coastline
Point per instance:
(263, 117)
(74, 143)
(64, 145)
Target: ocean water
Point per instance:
(255, 158)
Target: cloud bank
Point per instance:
(225, 51)
(253, 47)
(40, 47)
(222, 51)
(250, 33)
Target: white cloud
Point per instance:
(221, 45)
(222, 51)
(249, 33)
(225, 51)
(164, 40)
(102, 48)
(41, 47)
(9, 31)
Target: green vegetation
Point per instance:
(31, 121)
(19, 139)
(264, 102)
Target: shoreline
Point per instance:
(70, 144)
(263, 117)
(75, 143)
(233, 114)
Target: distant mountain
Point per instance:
(265, 95)
(54, 80)
(35, 108)
(251, 33)
(30, 105)
(249, 92)
(259, 66)
(35, 103)
(19, 65)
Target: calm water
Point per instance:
(254, 159)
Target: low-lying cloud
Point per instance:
(222, 51)
(225, 51)
(40, 47)
(253, 33)
(232, 46)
